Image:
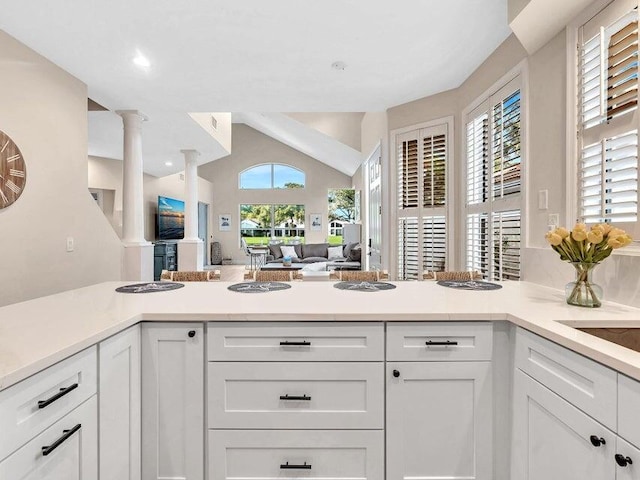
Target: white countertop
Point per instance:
(38, 333)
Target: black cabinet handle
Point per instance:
(622, 460)
(192, 333)
(396, 373)
(60, 394)
(597, 441)
(286, 466)
(65, 435)
(287, 343)
(431, 343)
(294, 397)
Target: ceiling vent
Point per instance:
(214, 122)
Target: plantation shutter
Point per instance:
(422, 216)
(434, 243)
(608, 129)
(494, 185)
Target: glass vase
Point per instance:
(583, 292)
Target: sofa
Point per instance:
(336, 257)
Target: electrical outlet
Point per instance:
(70, 244)
(554, 219)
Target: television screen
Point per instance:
(170, 218)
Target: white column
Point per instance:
(191, 249)
(138, 253)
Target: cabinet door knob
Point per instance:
(396, 373)
(622, 460)
(597, 441)
(192, 333)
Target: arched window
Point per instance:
(270, 176)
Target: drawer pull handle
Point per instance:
(286, 466)
(622, 460)
(60, 394)
(192, 333)
(446, 343)
(287, 343)
(597, 441)
(65, 435)
(294, 397)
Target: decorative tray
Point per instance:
(469, 285)
(150, 287)
(258, 287)
(364, 286)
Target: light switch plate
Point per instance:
(554, 219)
(543, 199)
(70, 244)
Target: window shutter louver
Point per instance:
(506, 245)
(408, 242)
(434, 243)
(478, 243)
(477, 154)
(608, 130)
(422, 176)
(506, 147)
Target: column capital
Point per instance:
(190, 154)
(131, 114)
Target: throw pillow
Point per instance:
(335, 252)
(355, 254)
(288, 251)
(275, 251)
(347, 249)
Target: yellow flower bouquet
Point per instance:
(584, 248)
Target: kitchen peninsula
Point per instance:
(309, 381)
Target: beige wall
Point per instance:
(44, 110)
(251, 147)
(106, 174)
(342, 126)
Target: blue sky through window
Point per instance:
(264, 177)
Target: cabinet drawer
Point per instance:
(582, 382)
(74, 458)
(296, 395)
(625, 470)
(321, 454)
(439, 341)
(34, 404)
(628, 403)
(301, 342)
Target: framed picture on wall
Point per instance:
(315, 219)
(224, 222)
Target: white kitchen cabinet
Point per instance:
(553, 440)
(67, 450)
(627, 460)
(173, 425)
(119, 414)
(439, 420)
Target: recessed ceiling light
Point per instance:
(141, 61)
(168, 164)
(338, 65)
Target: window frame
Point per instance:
(451, 203)
(516, 78)
(272, 165)
(572, 171)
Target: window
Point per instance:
(422, 158)
(342, 209)
(260, 224)
(494, 185)
(270, 176)
(608, 118)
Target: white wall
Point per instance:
(44, 110)
(251, 147)
(106, 174)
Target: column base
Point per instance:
(190, 255)
(137, 262)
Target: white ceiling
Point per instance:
(251, 55)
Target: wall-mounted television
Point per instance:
(170, 218)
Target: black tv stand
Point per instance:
(165, 257)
